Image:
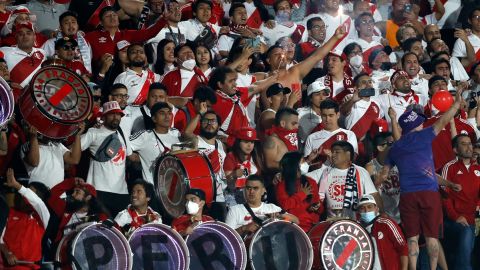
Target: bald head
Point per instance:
(431, 32)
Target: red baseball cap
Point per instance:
(379, 125)
(27, 25)
(89, 188)
(112, 107)
(247, 134)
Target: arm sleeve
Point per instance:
(140, 36)
(55, 202)
(37, 204)
(459, 49)
(397, 238)
(123, 218)
(289, 202)
(86, 140)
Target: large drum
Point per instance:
(214, 245)
(176, 173)
(7, 102)
(342, 244)
(94, 246)
(56, 101)
(280, 245)
(157, 246)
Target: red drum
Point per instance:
(157, 246)
(56, 101)
(176, 173)
(342, 244)
(94, 246)
(280, 245)
(214, 245)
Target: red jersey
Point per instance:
(232, 110)
(464, 202)
(183, 83)
(390, 242)
(181, 223)
(180, 119)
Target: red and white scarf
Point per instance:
(139, 220)
(348, 87)
(410, 98)
(288, 136)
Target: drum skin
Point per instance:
(316, 235)
(176, 173)
(282, 244)
(7, 102)
(214, 245)
(56, 100)
(160, 247)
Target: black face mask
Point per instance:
(386, 66)
(137, 64)
(73, 205)
(207, 135)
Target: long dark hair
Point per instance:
(159, 65)
(290, 166)
(237, 152)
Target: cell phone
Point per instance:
(254, 42)
(473, 103)
(408, 8)
(367, 92)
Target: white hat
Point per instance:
(122, 44)
(112, 107)
(317, 86)
(367, 198)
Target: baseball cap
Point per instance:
(112, 107)
(158, 106)
(410, 120)
(21, 25)
(247, 134)
(367, 198)
(89, 188)
(276, 88)
(317, 86)
(396, 75)
(64, 40)
(122, 44)
(197, 192)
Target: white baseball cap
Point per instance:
(317, 86)
(367, 198)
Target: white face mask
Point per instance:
(304, 168)
(192, 208)
(356, 61)
(189, 64)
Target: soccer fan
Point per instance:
(309, 116)
(461, 48)
(276, 95)
(65, 54)
(194, 207)
(337, 79)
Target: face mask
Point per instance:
(367, 217)
(189, 64)
(304, 168)
(386, 66)
(356, 61)
(282, 17)
(192, 208)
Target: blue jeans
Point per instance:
(459, 242)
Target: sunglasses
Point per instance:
(69, 47)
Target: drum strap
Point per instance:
(254, 217)
(147, 120)
(165, 148)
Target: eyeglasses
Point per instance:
(387, 143)
(67, 47)
(209, 121)
(121, 96)
(475, 17)
(367, 22)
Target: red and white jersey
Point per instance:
(183, 83)
(338, 89)
(22, 65)
(244, 81)
(398, 103)
(331, 186)
(254, 20)
(232, 111)
(361, 117)
(459, 49)
(280, 30)
(137, 84)
(324, 139)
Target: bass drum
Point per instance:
(56, 101)
(94, 246)
(342, 244)
(176, 173)
(7, 102)
(157, 246)
(214, 245)
(280, 245)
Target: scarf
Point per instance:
(137, 220)
(288, 136)
(410, 98)
(347, 86)
(246, 167)
(350, 197)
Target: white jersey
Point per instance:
(331, 187)
(193, 28)
(279, 31)
(50, 169)
(399, 104)
(246, 81)
(150, 145)
(14, 56)
(136, 83)
(238, 215)
(326, 138)
(419, 85)
(338, 87)
(106, 176)
(206, 149)
(459, 49)
(359, 112)
(389, 190)
(308, 119)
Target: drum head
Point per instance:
(214, 245)
(157, 246)
(99, 247)
(280, 245)
(7, 102)
(346, 245)
(61, 95)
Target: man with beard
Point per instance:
(108, 151)
(119, 93)
(138, 212)
(152, 143)
(80, 206)
(137, 78)
(21, 239)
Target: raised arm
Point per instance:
(447, 116)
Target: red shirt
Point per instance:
(464, 202)
(297, 204)
(181, 223)
(180, 120)
(391, 243)
(232, 121)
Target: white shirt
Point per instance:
(14, 55)
(419, 85)
(238, 215)
(331, 183)
(106, 176)
(194, 28)
(135, 82)
(399, 104)
(173, 32)
(50, 169)
(279, 31)
(308, 119)
(459, 48)
(149, 147)
(123, 218)
(458, 71)
(317, 139)
(207, 149)
(338, 87)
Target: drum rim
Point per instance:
(49, 116)
(305, 236)
(235, 233)
(178, 237)
(9, 96)
(116, 231)
(358, 225)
